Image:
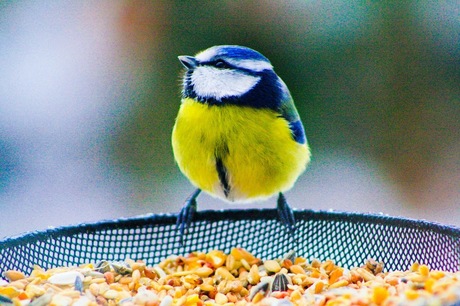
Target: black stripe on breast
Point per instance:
(223, 176)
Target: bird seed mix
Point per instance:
(238, 278)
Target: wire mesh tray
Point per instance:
(347, 238)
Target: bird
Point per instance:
(238, 135)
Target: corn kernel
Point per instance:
(9, 291)
(240, 253)
(192, 300)
(379, 294)
(13, 275)
(216, 258)
(315, 273)
(272, 266)
(300, 261)
(335, 274)
(319, 287)
(221, 298)
(224, 274)
(424, 270)
(437, 274)
(411, 294)
(339, 284)
(429, 284)
(296, 295)
(258, 297)
(296, 269)
(254, 276)
(204, 271)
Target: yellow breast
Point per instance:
(255, 146)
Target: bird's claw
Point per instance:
(285, 213)
(186, 214)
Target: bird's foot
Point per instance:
(185, 216)
(285, 213)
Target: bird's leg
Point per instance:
(185, 216)
(285, 213)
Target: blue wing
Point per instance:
(298, 131)
(289, 112)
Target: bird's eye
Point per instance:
(220, 64)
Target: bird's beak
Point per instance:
(189, 62)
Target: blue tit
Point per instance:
(238, 135)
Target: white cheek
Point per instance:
(216, 83)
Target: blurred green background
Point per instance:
(89, 91)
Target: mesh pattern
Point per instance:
(348, 239)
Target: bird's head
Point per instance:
(230, 74)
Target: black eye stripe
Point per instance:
(222, 64)
(218, 64)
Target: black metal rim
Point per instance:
(233, 215)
